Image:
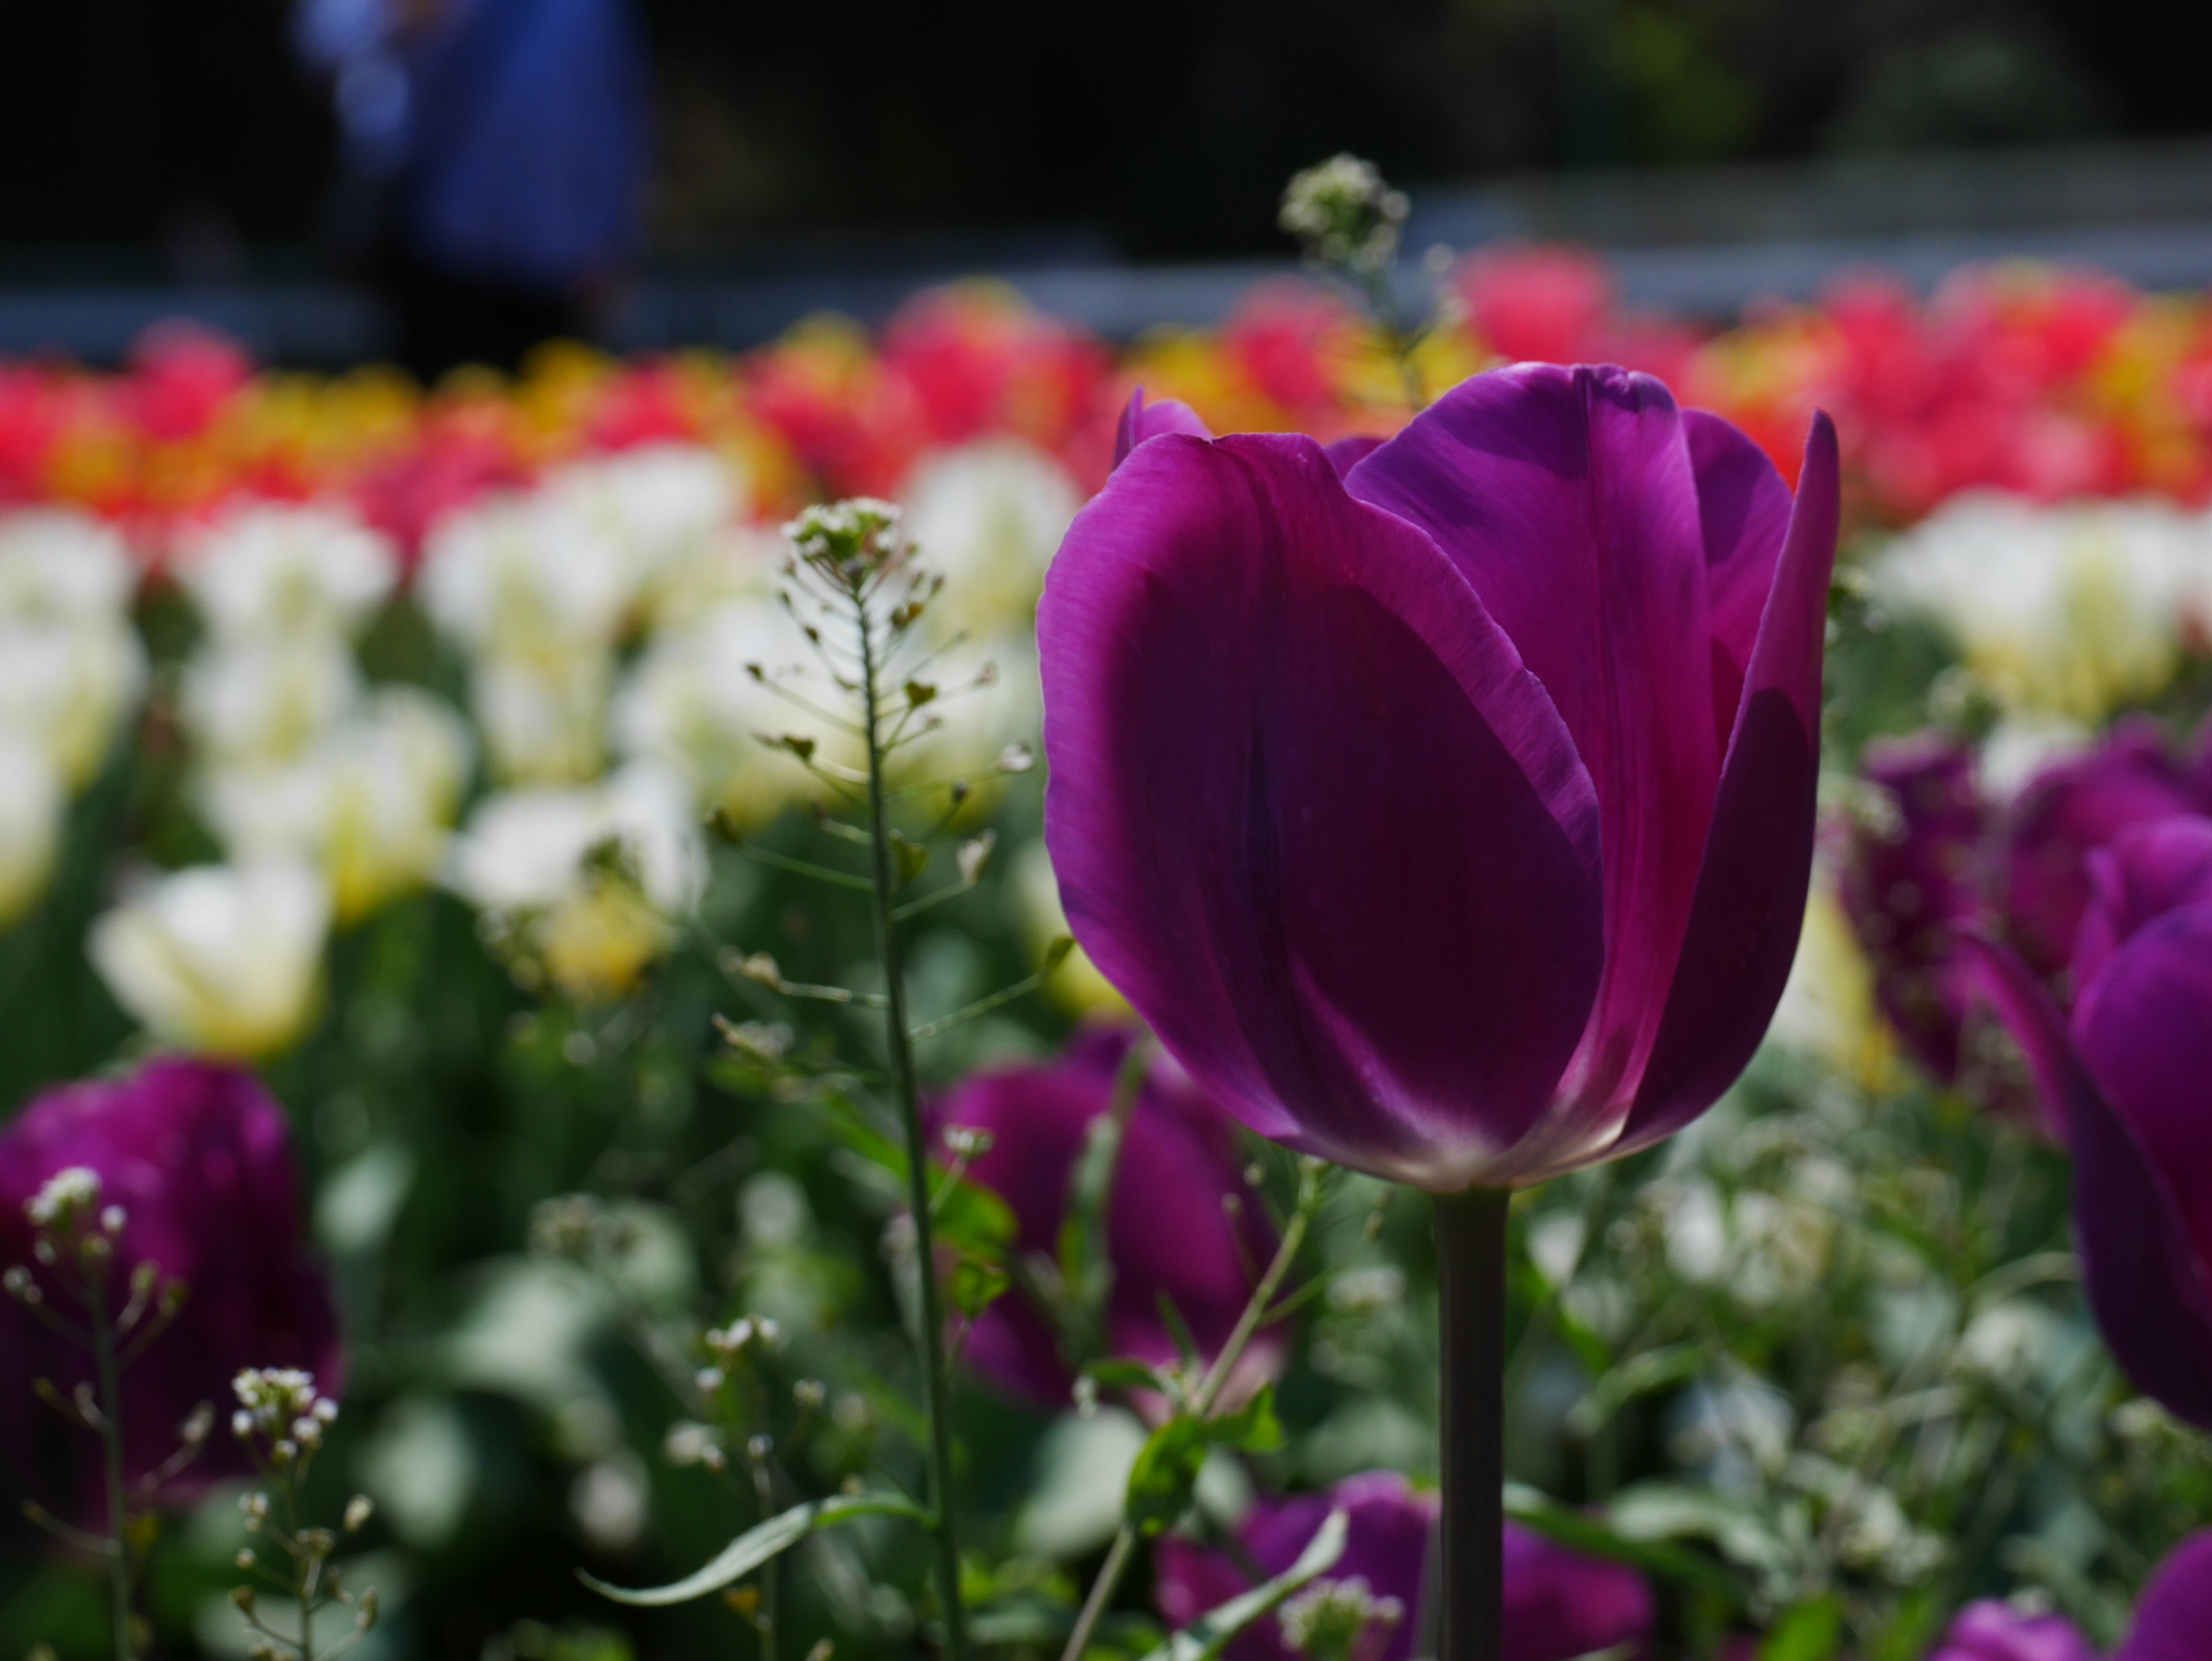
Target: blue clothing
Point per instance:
(510, 136)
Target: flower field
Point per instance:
(498, 881)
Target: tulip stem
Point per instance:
(935, 1396)
(1470, 1304)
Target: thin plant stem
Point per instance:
(1471, 1302)
(111, 1439)
(900, 1055)
(1209, 1391)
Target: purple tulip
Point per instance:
(2125, 1077)
(1990, 1631)
(1558, 1603)
(1167, 1231)
(199, 1157)
(2070, 811)
(1452, 820)
(1141, 420)
(1908, 887)
(2174, 1616)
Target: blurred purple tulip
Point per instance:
(2174, 1616)
(2070, 811)
(1560, 1604)
(1990, 1631)
(199, 1157)
(2126, 1078)
(1167, 1231)
(1909, 886)
(1452, 820)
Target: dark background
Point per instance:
(166, 137)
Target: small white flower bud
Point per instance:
(113, 1219)
(709, 1379)
(245, 1560)
(358, 1511)
(241, 1424)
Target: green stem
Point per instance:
(901, 1056)
(1470, 1304)
(110, 1437)
(1209, 1391)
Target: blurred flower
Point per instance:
(692, 705)
(282, 570)
(988, 516)
(268, 699)
(524, 576)
(2070, 811)
(1912, 877)
(370, 805)
(584, 886)
(1077, 984)
(1143, 418)
(221, 959)
(544, 717)
(32, 807)
(1559, 1605)
(1388, 898)
(665, 506)
(1540, 305)
(1345, 213)
(2076, 610)
(1827, 1008)
(71, 663)
(2125, 1078)
(1168, 1232)
(2175, 1610)
(58, 566)
(199, 1161)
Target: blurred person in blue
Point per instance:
(496, 155)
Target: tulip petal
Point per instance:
(1567, 498)
(1141, 421)
(2147, 872)
(2174, 1612)
(2145, 1279)
(1744, 511)
(1750, 902)
(1346, 453)
(1310, 814)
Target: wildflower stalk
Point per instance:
(110, 1383)
(882, 897)
(1256, 1312)
(1471, 1306)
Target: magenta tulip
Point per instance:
(2125, 1075)
(200, 1158)
(2174, 1616)
(1990, 1631)
(1910, 883)
(1168, 1232)
(1452, 820)
(1560, 1604)
(1142, 419)
(2070, 811)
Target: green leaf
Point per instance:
(1810, 1632)
(1591, 1535)
(1639, 1375)
(1116, 1373)
(1166, 1471)
(1253, 1428)
(911, 856)
(1207, 1636)
(977, 1283)
(757, 1544)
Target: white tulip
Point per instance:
(371, 805)
(66, 687)
(990, 515)
(220, 959)
(692, 705)
(261, 701)
(32, 802)
(2069, 609)
(659, 503)
(543, 716)
(518, 575)
(268, 568)
(60, 566)
(583, 884)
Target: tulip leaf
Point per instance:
(1211, 1633)
(977, 1283)
(1810, 1632)
(1590, 1534)
(1166, 1471)
(761, 1543)
(1117, 1373)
